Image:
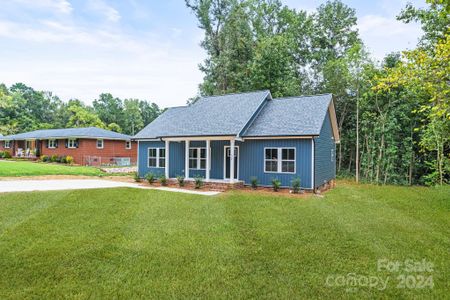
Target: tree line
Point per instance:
(393, 115)
(24, 109)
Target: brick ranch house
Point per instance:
(88, 146)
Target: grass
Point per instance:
(27, 168)
(127, 243)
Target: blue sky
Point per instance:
(139, 49)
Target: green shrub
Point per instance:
(6, 154)
(54, 158)
(136, 177)
(2, 154)
(62, 159)
(198, 182)
(276, 184)
(180, 180)
(45, 158)
(254, 182)
(163, 180)
(150, 177)
(296, 185)
(69, 159)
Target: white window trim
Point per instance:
(71, 143)
(103, 143)
(198, 158)
(7, 144)
(128, 145)
(157, 157)
(52, 145)
(280, 160)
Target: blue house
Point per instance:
(235, 137)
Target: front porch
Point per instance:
(211, 158)
(25, 149)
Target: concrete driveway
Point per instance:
(81, 184)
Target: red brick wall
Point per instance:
(88, 147)
(2, 148)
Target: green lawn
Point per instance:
(27, 168)
(129, 243)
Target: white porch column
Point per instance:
(208, 158)
(167, 160)
(232, 160)
(186, 160)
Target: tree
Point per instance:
(109, 109)
(80, 116)
(132, 115)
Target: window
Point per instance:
(71, 143)
(27, 144)
(197, 158)
(279, 160)
(51, 144)
(127, 144)
(99, 144)
(7, 144)
(288, 160)
(271, 161)
(156, 157)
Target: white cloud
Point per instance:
(385, 34)
(106, 10)
(79, 62)
(61, 6)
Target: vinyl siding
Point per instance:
(251, 160)
(325, 167)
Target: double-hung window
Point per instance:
(51, 144)
(99, 144)
(156, 157)
(7, 144)
(279, 160)
(197, 158)
(71, 143)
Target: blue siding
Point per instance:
(251, 161)
(325, 167)
(143, 158)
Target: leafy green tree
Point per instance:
(132, 116)
(109, 109)
(80, 116)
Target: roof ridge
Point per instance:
(302, 96)
(237, 93)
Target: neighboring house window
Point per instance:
(156, 157)
(52, 144)
(279, 160)
(99, 144)
(197, 158)
(7, 144)
(71, 143)
(127, 144)
(332, 155)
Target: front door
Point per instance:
(227, 162)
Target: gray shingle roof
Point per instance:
(88, 132)
(291, 116)
(255, 112)
(209, 116)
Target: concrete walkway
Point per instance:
(81, 184)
